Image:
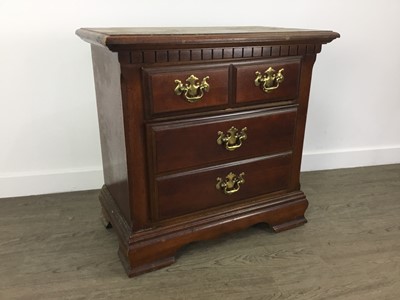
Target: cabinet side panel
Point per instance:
(107, 76)
(304, 92)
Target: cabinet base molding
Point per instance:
(154, 248)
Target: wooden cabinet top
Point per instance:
(158, 36)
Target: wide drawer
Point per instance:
(186, 144)
(272, 80)
(196, 190)
(186, 88)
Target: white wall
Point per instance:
(48, 124)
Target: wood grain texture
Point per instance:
(106, 72)
(137, 91)
(193, 191)
(116, 38)
(247, 91)
(269, 131)
(162, 85)
(54, 247)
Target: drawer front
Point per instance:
(273, 80)
(188, 192)
(176, 89)
(186, 144)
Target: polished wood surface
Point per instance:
(118, 38)
(268, 132)
(54, 247)
(110, 114)
(247, 91)
(161, 150)
(162, 97)
(182, 193)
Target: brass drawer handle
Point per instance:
(232, 139)
(231, 184)
(193, 90)
(270, 80)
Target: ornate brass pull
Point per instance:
(270, 80)
(193, 91)
(232, 139)
(231, 184)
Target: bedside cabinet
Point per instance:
(201, 132)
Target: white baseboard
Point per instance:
(48, 182)
(350, 158)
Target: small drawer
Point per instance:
(173, 89)
(196, 190)
(272, 80)
(185, 144)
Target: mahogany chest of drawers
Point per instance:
(201, 132)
